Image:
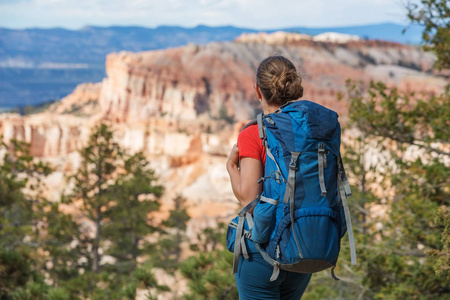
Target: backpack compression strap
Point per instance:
(290, 192)
(239, 242)
(322, 157)
(343, 193)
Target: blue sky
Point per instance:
(257, 14)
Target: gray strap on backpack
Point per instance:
(290, 193)
(260, 126)
(269, 200)
(246, 235)
(238, 248)
(262, 135)
(348, 192)
(343, 197)
(290, 184)
(269, 154)
(322, 164)
(268, 259)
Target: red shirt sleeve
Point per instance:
(250, 145)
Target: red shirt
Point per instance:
(250, 145)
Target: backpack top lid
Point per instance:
(298, 124)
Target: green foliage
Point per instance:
(129, 212)
(435, 16)
(100, 159)
(442, 257)
(168, 250)
(393, 258)
(21, 208)
(209, 272)
(115, 193)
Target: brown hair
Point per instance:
(278, 80)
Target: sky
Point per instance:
(255, 14)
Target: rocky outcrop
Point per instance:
(216, 80)
(83, 101)
(177, 84)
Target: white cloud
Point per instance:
(261, 14)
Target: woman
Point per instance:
(277, 83)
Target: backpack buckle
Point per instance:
(321, 148)
(293, 163)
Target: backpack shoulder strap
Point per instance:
(261, 128)
(252, 122)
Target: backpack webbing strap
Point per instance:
(237, 244)
(262, 135)
(341, 169)
(342, 196)
(246, 235)
(348, 192)
(249, 221)
(260, 126)
(290, 184)
(239, 233)
(322, 164)
(269, 260)
(243, 247)
(276, 271)
(269, 154)
(269, 200)
(290, 192)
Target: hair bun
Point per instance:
(278, 80)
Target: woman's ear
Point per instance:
(258, 92)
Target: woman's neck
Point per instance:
(268, 109)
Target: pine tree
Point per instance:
(434, 15)
(420, 185)
(209, 272)
(21, 206)
(92, 196)
(168, 250)
(135, 196)
(116, 194)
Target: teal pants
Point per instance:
(253, 281)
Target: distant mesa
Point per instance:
(335, 37)
(276, 38)
(282, 37)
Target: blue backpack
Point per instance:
(302, 214)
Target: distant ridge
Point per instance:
(90, 44)
(383, 31)
(38, 65)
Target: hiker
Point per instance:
(277, 83)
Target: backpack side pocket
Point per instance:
(231, 234)
(264, 220)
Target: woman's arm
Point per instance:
(244, 181)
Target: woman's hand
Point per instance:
(233, 158)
